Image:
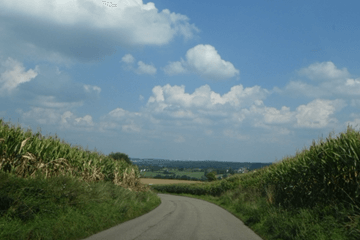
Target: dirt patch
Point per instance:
(164, 181)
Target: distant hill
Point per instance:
(197, 164)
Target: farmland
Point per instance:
(148, 181)
(172, 173)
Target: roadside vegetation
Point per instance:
(312, 195)
(52, 190)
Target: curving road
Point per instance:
(181, 218)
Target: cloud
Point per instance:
(53, 102)
(350, 87)
(299, 88)
(57, 118)
(122, 119)
(44, 86)
(174, 97)
(179, 139)
(145, 69)
(120, 113)
(14, 75)
(273, 115)
(174, 68)
(233, 134)
(171, 110)
(128, 58)
(332, 83)
(41, 115)
(86, 30)
(324, 71)
(316, 114)
(355, 102)
(130, 128)
(90, 89)
(354, 124)
(84, 121)
(205, 61)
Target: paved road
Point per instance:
(181, 218)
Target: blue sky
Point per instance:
(250, 81)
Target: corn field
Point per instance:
(326, 173)
(27, 155)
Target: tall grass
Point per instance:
(65, 208)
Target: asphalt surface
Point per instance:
(181, 218)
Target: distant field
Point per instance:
(190, 174)
(164, 181)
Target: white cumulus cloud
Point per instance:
(205, 61)
(333, 82)
(324, 71)
(66, 25)
(142, 68)
(273, 115)
(317, 114)
(84, 121)
(174, 97)
(14, 75)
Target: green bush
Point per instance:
(211, 176)
(120, 156)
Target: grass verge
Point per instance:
(64, 207)
(277, 223)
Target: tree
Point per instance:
(120, 156)
(203, 178)
(211, 176)
(167, 172)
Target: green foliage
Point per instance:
(215, 188)
(166, 174)
(327, 173)
(49, 189)
(65, 208)
(120, 156)
(211, 176)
